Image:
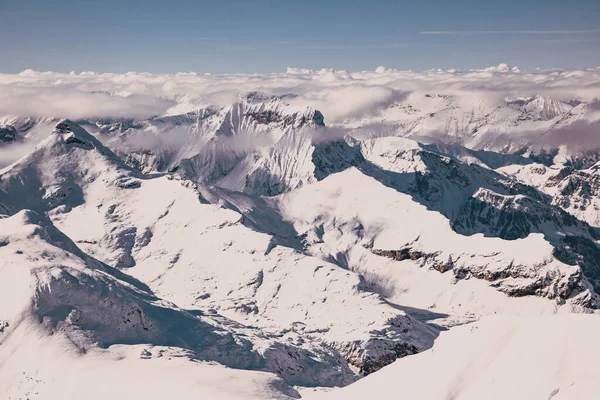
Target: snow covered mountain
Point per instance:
(530, 126)
(262, 242)
(137, 224)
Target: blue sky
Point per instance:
(262, 36)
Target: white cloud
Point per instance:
(12, 153)
(68, 102)
(337, 94)
(351, 101)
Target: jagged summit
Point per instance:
(260, 97)
(72, 133)
(542, 108)
(68, 127)
(266, 109)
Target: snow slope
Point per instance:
(67, 321)
(551, 357)
(338, 223)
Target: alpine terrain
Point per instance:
(307, 234)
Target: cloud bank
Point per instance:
(70, 102)
(338, 95)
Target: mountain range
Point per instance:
(257, 250)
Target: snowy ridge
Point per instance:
(88, 307)
(131, 222)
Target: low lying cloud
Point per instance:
(352, 101)
(347, 99)
(580, 136)
(595, 105)
(337, 94)
(13, 152)
(75, 104)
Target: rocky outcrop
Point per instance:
(8, 134)
(399, 255)
(375, 354)
(334, 156)
(408, 253)
(514, 280)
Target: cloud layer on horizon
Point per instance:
(337, 94)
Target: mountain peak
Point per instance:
(66, 127)
(503, 68)
(72, 133)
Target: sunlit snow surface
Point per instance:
(550, 357)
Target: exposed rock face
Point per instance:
(510, 216)
(400, 255)
(583, 252)
(8, 134)
(335, 156)
(577, 192)
(444, 267)
(112, 127)
(295, 120)
(551, 286)
(378, 354)
(514, 280)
